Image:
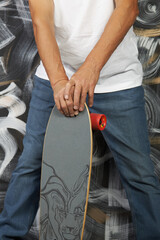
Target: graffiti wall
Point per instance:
(18, 61)
(18, 58)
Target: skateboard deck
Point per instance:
(66, 171)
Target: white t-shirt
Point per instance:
(78, 26)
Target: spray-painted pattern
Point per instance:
(18, 59)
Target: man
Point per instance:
(88, 50)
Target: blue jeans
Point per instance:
(127, 137)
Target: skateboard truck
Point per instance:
(98, 121)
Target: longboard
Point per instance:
(66, 172)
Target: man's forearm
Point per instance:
(121, 20)
(49, 51)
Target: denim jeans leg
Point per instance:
(127, 136)
(22, 197)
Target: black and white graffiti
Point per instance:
(18, 59)
(149, 14)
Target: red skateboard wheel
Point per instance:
(98, 121)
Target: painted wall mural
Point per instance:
(108, 211)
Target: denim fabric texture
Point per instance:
(127, 137)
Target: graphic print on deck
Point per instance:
(63, 218)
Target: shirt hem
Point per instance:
(131, 84)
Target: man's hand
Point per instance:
(83, 81)
(64, 106)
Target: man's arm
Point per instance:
(121, 20)
(42, 13)
(86, 77)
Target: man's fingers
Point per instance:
(58, 106)
(67, 90)
(63, 106)
(69, 103)
(90, 97)
(69, 96)
(77, 95)
(82, 101)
